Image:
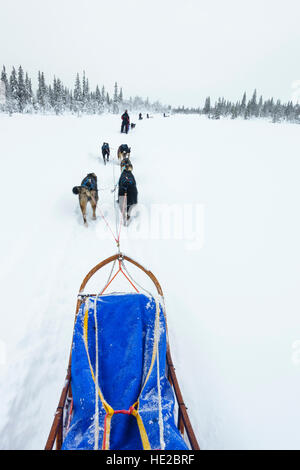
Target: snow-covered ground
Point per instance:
(232, 298)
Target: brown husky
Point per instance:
(87, 192)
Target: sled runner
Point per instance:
(121, 390)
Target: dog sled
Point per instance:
(121, 391)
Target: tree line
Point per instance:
(17, 96)
(253, 108)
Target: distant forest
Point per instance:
(17, 96)
(247, 109)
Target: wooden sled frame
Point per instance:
(183, 422)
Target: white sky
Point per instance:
(177, 51)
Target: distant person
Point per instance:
(105, 152)
(128, 189)
(147, 116)
(140, 116)
(125, 122)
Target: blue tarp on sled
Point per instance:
(128, 326)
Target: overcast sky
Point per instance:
(177, 51)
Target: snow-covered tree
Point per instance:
(22, 96)
(28, 94)
(253, 108)
(77, 102)
(116, 99)
(13, 91)
(5, 91)
(120, 97)
(42, 93)
(243, 103)
(207, 106)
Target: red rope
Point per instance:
(102, 215)
(110, 281)
(129, 280)
(117, 240)
(124, 412)
(119, 270)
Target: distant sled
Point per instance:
(121, 390)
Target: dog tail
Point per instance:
(75, 190)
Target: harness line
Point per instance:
(133, 280)
(113, 194)
(118, 229)
(115, 275)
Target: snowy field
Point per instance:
(231, 284)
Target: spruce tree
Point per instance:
(120, 97)
(277, 112)
(22, 98)
(42, 95)
(247, 112)
(77, 102)
(58, 96)
(243, 104)
(253, 109)
(207, 106)
(5, 93)
(103, 94)
(85, 93)
(5, 81)
(115, 99)
(99, 101)
(28, 93)
(260, 106)
(13, 87)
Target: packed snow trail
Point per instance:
(232, 301)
